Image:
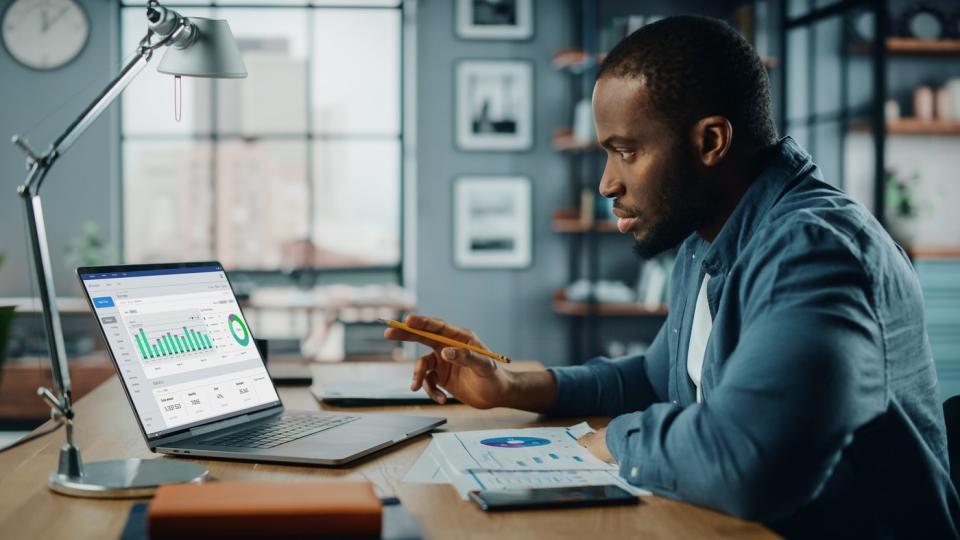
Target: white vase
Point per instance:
(903, 230)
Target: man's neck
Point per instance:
(734, 180)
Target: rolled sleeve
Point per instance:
(612, 387)
(583, 390)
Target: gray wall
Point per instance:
(83, 185)
(509, 309)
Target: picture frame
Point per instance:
(495, 19)
(493, 222)
(494, 105)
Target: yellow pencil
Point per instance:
(445, 340)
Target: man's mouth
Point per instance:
(625, 224)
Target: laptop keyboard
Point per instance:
(283, 430)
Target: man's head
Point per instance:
(674, 102)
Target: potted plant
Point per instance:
(903, 206)
(6, 320)
(87, 249)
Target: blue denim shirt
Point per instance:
(820, 412)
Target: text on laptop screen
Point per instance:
(181, 344)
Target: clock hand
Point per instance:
(57, 16)
(44, 21)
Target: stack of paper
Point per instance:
(513, 459)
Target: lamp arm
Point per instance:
(38, 167)
(100, 104)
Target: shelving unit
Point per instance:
(929, 47)
(806, 115)
(564, 141)
(578, 60)
(934, 253)
(937, 267)
(585, 236)
(914, 126)
(585, 309)
(567, 220)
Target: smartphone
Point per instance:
(561, 497)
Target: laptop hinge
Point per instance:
(203, 430)
(223, 424)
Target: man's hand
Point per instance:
(596, 443)
(473, 379)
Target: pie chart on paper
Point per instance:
(515, 442)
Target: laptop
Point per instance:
(196, 382)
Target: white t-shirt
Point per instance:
(699, 334)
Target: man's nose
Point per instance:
(610, 187)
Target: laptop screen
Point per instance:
(183, 349)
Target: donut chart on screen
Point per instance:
(238, 330)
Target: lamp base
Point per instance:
(126, 478)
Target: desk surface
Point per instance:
(106, 429)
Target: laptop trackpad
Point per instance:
(341, 442)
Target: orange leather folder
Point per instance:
(251, 510)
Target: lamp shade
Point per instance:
(214, 53)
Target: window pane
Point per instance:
(343, 3)
(797, 8)
(167, 201)
(797, 74)
(148, 107)
(356, 71)
(273, 97)
(356, 203)
(827, 66)
(262, 202)
(828, 147)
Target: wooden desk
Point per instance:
(106, 429)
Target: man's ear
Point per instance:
(712, 137)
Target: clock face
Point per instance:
(45, 34)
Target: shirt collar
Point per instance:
(788, 162)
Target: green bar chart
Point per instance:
(171, 335)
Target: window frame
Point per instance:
(374, 273)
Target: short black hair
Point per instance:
(696, 67)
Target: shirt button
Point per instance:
(634, 472)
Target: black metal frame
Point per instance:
(308, 137)
(878, 55)
(583, 334)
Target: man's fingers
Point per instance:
(439, 326)
(586, 439)
(400, 335)
(430, 383)
(462, 357)
(424, 364)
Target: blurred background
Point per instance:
(434, 156)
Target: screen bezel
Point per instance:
(157, 437)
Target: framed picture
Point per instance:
(495, 19)
(492, 222)
(494, 105)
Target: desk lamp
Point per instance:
(195, 47)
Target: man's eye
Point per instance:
(625, 154)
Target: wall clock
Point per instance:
(45, 34)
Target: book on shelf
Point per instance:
(653, 284)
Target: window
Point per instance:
(298, 165)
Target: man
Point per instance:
(792, 382)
